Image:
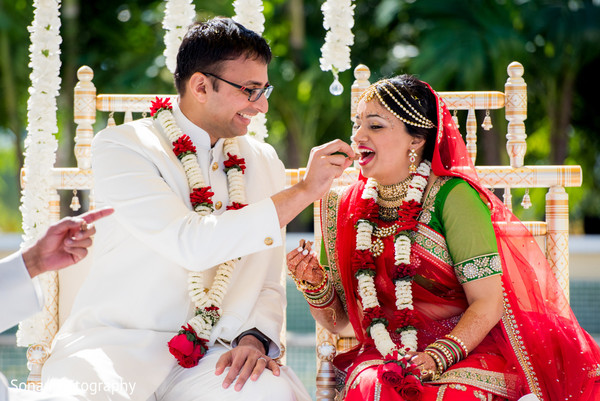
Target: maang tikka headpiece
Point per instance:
(418, 120)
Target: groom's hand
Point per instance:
(327, 162)
(247, 360)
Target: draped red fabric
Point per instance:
(555, 357)
(546, 350)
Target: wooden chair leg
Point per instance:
(326, 381)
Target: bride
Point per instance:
(445, 302)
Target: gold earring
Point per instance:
(412, 158)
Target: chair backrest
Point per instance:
(552, 234)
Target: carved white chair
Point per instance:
(552, 234)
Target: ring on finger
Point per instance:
(426, 373)
(263, 358)
(84, 226)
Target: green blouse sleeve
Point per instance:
(468, 229)
(323, 259)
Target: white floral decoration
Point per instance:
(382, 339)
(249, 13)
(40, 152)
(402, 250)
(258, 127)
(364, 231)
(338, 20)
(370, 191)
(179, 15)
(201, 296)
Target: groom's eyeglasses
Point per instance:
(253, 94)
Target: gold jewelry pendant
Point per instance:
(377, 247)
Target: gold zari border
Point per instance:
(492, 382)
(331, 202)
(361, 366)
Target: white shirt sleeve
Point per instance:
(20, 296)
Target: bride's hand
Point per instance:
(303, 265)
(424, 362)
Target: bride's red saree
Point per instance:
(537, 347)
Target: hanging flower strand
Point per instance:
(179, 15)
(40, 153)
(191, 343)
(249, 13)
(338, 20)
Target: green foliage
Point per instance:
(453, 45)
(10, 218)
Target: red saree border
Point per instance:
(511, 328)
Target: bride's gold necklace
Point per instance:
(390, 198)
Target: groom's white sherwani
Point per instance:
(136, 295)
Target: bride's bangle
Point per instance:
(322, 299)
(322, 295)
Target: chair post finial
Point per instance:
(84, 110)
(516, 112)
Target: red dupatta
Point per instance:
(541, 340)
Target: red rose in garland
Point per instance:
(187, 348)
(159, 104)
(411, 388)
(402, 376)
(236, 206)
(201, 196)
(390, 373)
(234, 162)
(183, 146)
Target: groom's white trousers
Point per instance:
(201, 384)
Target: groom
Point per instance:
(136, 296)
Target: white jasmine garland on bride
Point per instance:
(403, 273)
(190, 344)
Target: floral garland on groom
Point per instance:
(191, 343)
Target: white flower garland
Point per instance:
(179, 14)
(258, 127)
(338, 20)
(249, 13)
(201, 296)
(40, 150)
(402, 249)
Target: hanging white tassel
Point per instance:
(75, 205)
(487, 121)
(455, 119)
(526, 202)
(111, 120)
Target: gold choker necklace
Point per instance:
(390, 198)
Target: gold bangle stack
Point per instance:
(446, 351)
(447, 354)
(440, 367)
(460, 343)
(318, 296)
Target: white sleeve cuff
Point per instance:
(20, 296)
